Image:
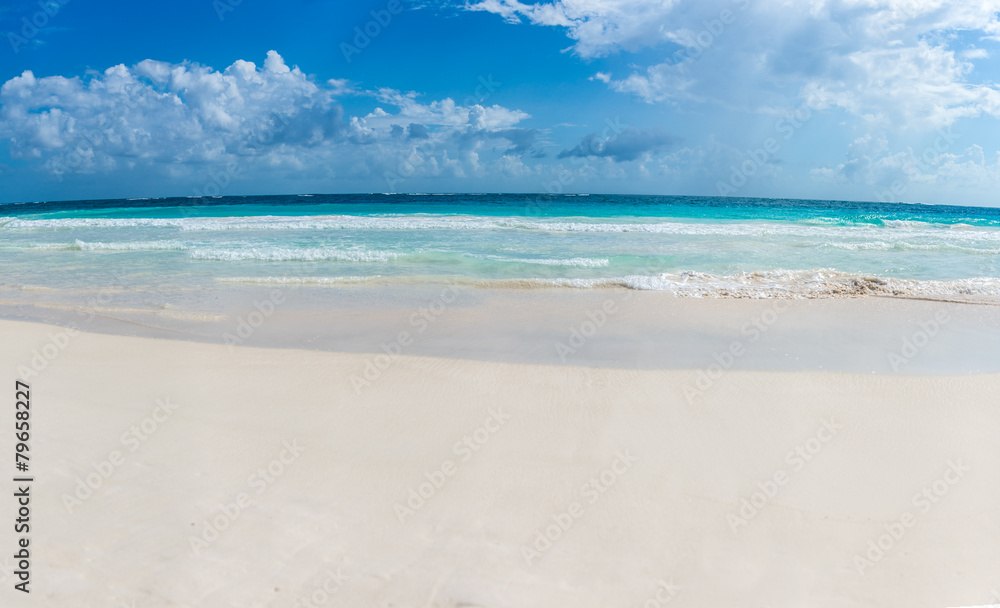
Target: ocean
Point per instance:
(689, 246)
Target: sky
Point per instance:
(872, 100)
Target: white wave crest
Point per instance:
(822, 232)
(571, 262)
(771, 284)
(289, 254)
(129, 246)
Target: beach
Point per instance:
(178, 472)
(500, 304)
(501, 400)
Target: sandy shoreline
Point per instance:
(644, 488)
(615, 328)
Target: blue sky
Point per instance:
(893, 100)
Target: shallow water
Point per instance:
(176, 249)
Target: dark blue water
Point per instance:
(496, 205)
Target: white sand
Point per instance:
(661, 524)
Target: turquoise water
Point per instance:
(691, 246)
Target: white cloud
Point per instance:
(914, 172)
(891, 62)
(975, 54)
(881, 168)
(922, 86)
(511, 166)
(447, 113)
(181, 118)
(599, 27)
(168, 113)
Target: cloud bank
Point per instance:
(181, 118)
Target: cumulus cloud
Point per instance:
(629, 144)
(168, 113)
(891, 174)
(179, 117)
(446, 112)
(892, 63)
(598, 27)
